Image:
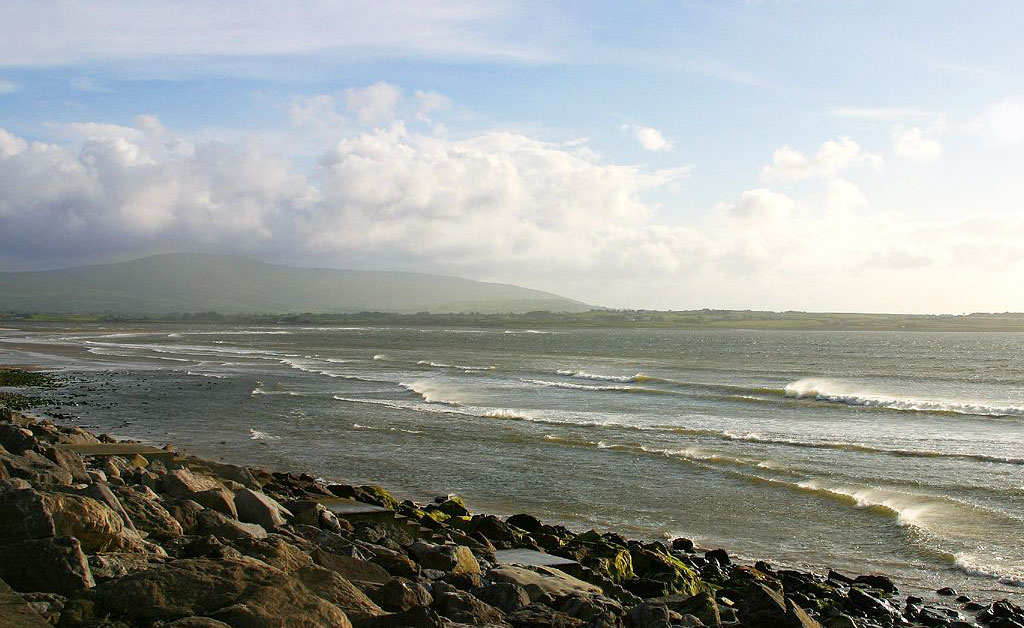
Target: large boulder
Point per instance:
(400, 594)
(182, 482)
(51, 565)
(212, 522)
(148, 515)
(236, 592)
(660, 567)
(259, 508)
(543, 582)
(23, 516)
(220, 499)
(766, 608)
(93, 523)
(340, 592)
(463, 608)
(36, 468)
(452, 558)
(350, 567)
(506, 596)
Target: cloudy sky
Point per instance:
(790, 154)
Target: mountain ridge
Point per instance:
(202, 282)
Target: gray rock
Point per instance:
(24, 516)
(147, 514)
(212, 522)
(53, 565)
(400, 594)
(506, 596)
(464, 608)
(182, 482)
(48, 605)
(339, 592)
(452, 558)
(220, 499)
(351, 568)
(259, 508)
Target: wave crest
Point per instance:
(838, 392)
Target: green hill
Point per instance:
(220, 283)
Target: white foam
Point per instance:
(526, 331)
(258, 435)
(571, 386)
(380, 356)
(504, 413)
(977, 566)
(599, 377)
(385, 429)
(851, 394)
(461, 367)
(202, 374)
(434, 391)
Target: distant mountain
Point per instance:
(180, 282)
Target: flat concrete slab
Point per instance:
(126, 450)
(530, 558)
(16, 613)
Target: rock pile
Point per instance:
(124, 540)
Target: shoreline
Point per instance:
(142, 517)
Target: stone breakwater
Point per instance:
(97, 533)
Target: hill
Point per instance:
(179, 282)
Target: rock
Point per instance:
(525, 522)
(876, 581)
(543, 582)
(351, 568)
(339, 592)
(702, 606)
(212, 522)
(220, 499)
(274, 551)
(677, 576)
(70, 462)
(464, 608)
(186, 512)
(538, 616)
(649, 615)
(52, 565)
(115, 565)
(720, 556)
(872, 606)
(841, 621)
(15, 439)
(368, 494)
(197, 622)
(48, 605)
(395, 563)
(453, 507)
(505, 596)
(260, 508)
(182, 482)
(682, 545)
(93, 523)
(147, 514)
(240, 593)
(102, 492)
(765, 608)
(416, 617)
(400, 594)
(947, 591)
(453, 558)
(36, 468)
(23, 516)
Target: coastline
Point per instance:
(96, 529)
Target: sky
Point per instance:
(780, 155)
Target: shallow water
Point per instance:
(894, 452)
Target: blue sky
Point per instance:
(764, 155)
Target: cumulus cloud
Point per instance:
(1002, 123)
(651, 138)
(374, 103)
(914, 144)
(833, 158)
(499, 206)
(427, 102)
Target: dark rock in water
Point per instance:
(53, 565)
(538, 616)
(453, 507)
(872, 606)
(525, 522)
(765, 608)
(835, 576)
(1003, 609)
(683, 545)
(720, 556)
(464, 608)
(963, 599)
(400, 594)
(368, 494)
(876, 582)
(505, 596)
(949, 591)
(913, 599)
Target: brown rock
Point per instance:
(52, 565)
(219, 499)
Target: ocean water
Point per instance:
(899, 453)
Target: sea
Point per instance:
(865, 452)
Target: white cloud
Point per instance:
(89, 84)
(1002, 123)
(374, 103)
(50, 32)
(427, 102)
(8, 87)
(914, 144)
(499, 206)
(651, 138)
(833, 158)
(883, 113)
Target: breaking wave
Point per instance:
(461, 367)
(838, 392)
(258, 435)
(385, 429)
(609, 378)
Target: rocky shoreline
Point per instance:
(100, 533)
